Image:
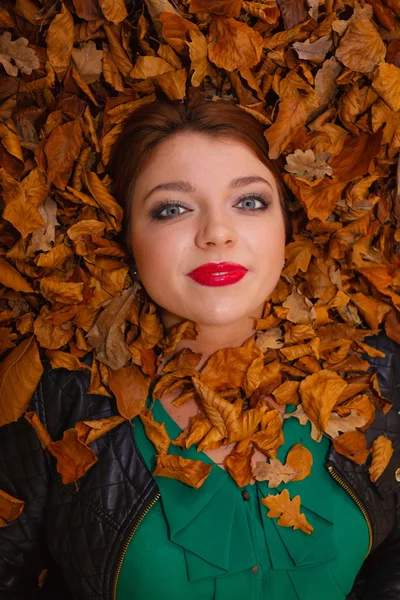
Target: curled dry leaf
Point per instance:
(238, 465)
(319, 393)
(64, 360)
(74, 458)
(10, 508)
(89, 431)
(288, 511)
(337, 424)
(191, 472)
(156, 432)
(381, 451)
(20, 373)
(107, 334)
(41, 432)
(353, 445)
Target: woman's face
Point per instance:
(189, 209)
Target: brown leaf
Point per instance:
(88, 61)
(238, 465)
(10, 278)
(89, 431)
(20, 373)
(51, 332)
(41, 431)
(307, 165)
(18, 51)
(274, 472)
(288, 511)
(156, 432)
(353, 445)
(10, 508)
(338, 424)
(382, 451)
(192, 472)
(229, 8)
(64, 360)
(74, 458)
(319, 393)
(361, 48)
(130, 389)
(107, 334)
(60, 41)
(233, 44)
(270, 438)
(7, 338)
(113, 10)
(62, 148)
(387, 83)
(300, 458)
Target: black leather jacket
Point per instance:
(79, 534)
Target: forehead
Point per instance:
(201, 158)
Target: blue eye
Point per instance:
(170, 209)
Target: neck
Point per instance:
(212, 338)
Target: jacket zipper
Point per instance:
(356, 499)
(127, 542)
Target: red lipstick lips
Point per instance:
(218, 274)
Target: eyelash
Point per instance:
(161, 206)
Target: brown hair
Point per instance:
(152, 123)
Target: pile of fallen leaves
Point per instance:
(323, 78)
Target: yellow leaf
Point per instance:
(288, 511)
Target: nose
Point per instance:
(216, 229)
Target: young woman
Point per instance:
(206, 222)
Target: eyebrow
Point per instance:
(185, 186)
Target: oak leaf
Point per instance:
(191, 472)
(381, 451)
(274, 472)
(308, 165)
(288, 511)
(18, 52)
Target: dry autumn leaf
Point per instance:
(20, 373)
(74, 458)
(130, 389)
(288, 511)
(300, 458)
(10, 508)
(274, 472)
(353, 445)
(191, 472)
(381, 451)
(156, 432)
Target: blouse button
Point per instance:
(255, 569)
(396, 475)
(246, 494)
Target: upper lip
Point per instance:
(222, 267)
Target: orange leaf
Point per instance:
(74, 458)
(270, 438)
(352, 445)
(238, 465)
(64, 360)
(41, 431)
(292, 115)
(192, 472)
(229, 8)
(10, 277)
(113, 10)
(156, 432)
(20, 373)
(62, 148)
(10, 508)
(60, 41)
(233, 44)
(361, 48)
(300, 458)
(89, 431)
(319, 393)
(382, 451)
(288, 511)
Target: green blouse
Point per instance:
(217, 543)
